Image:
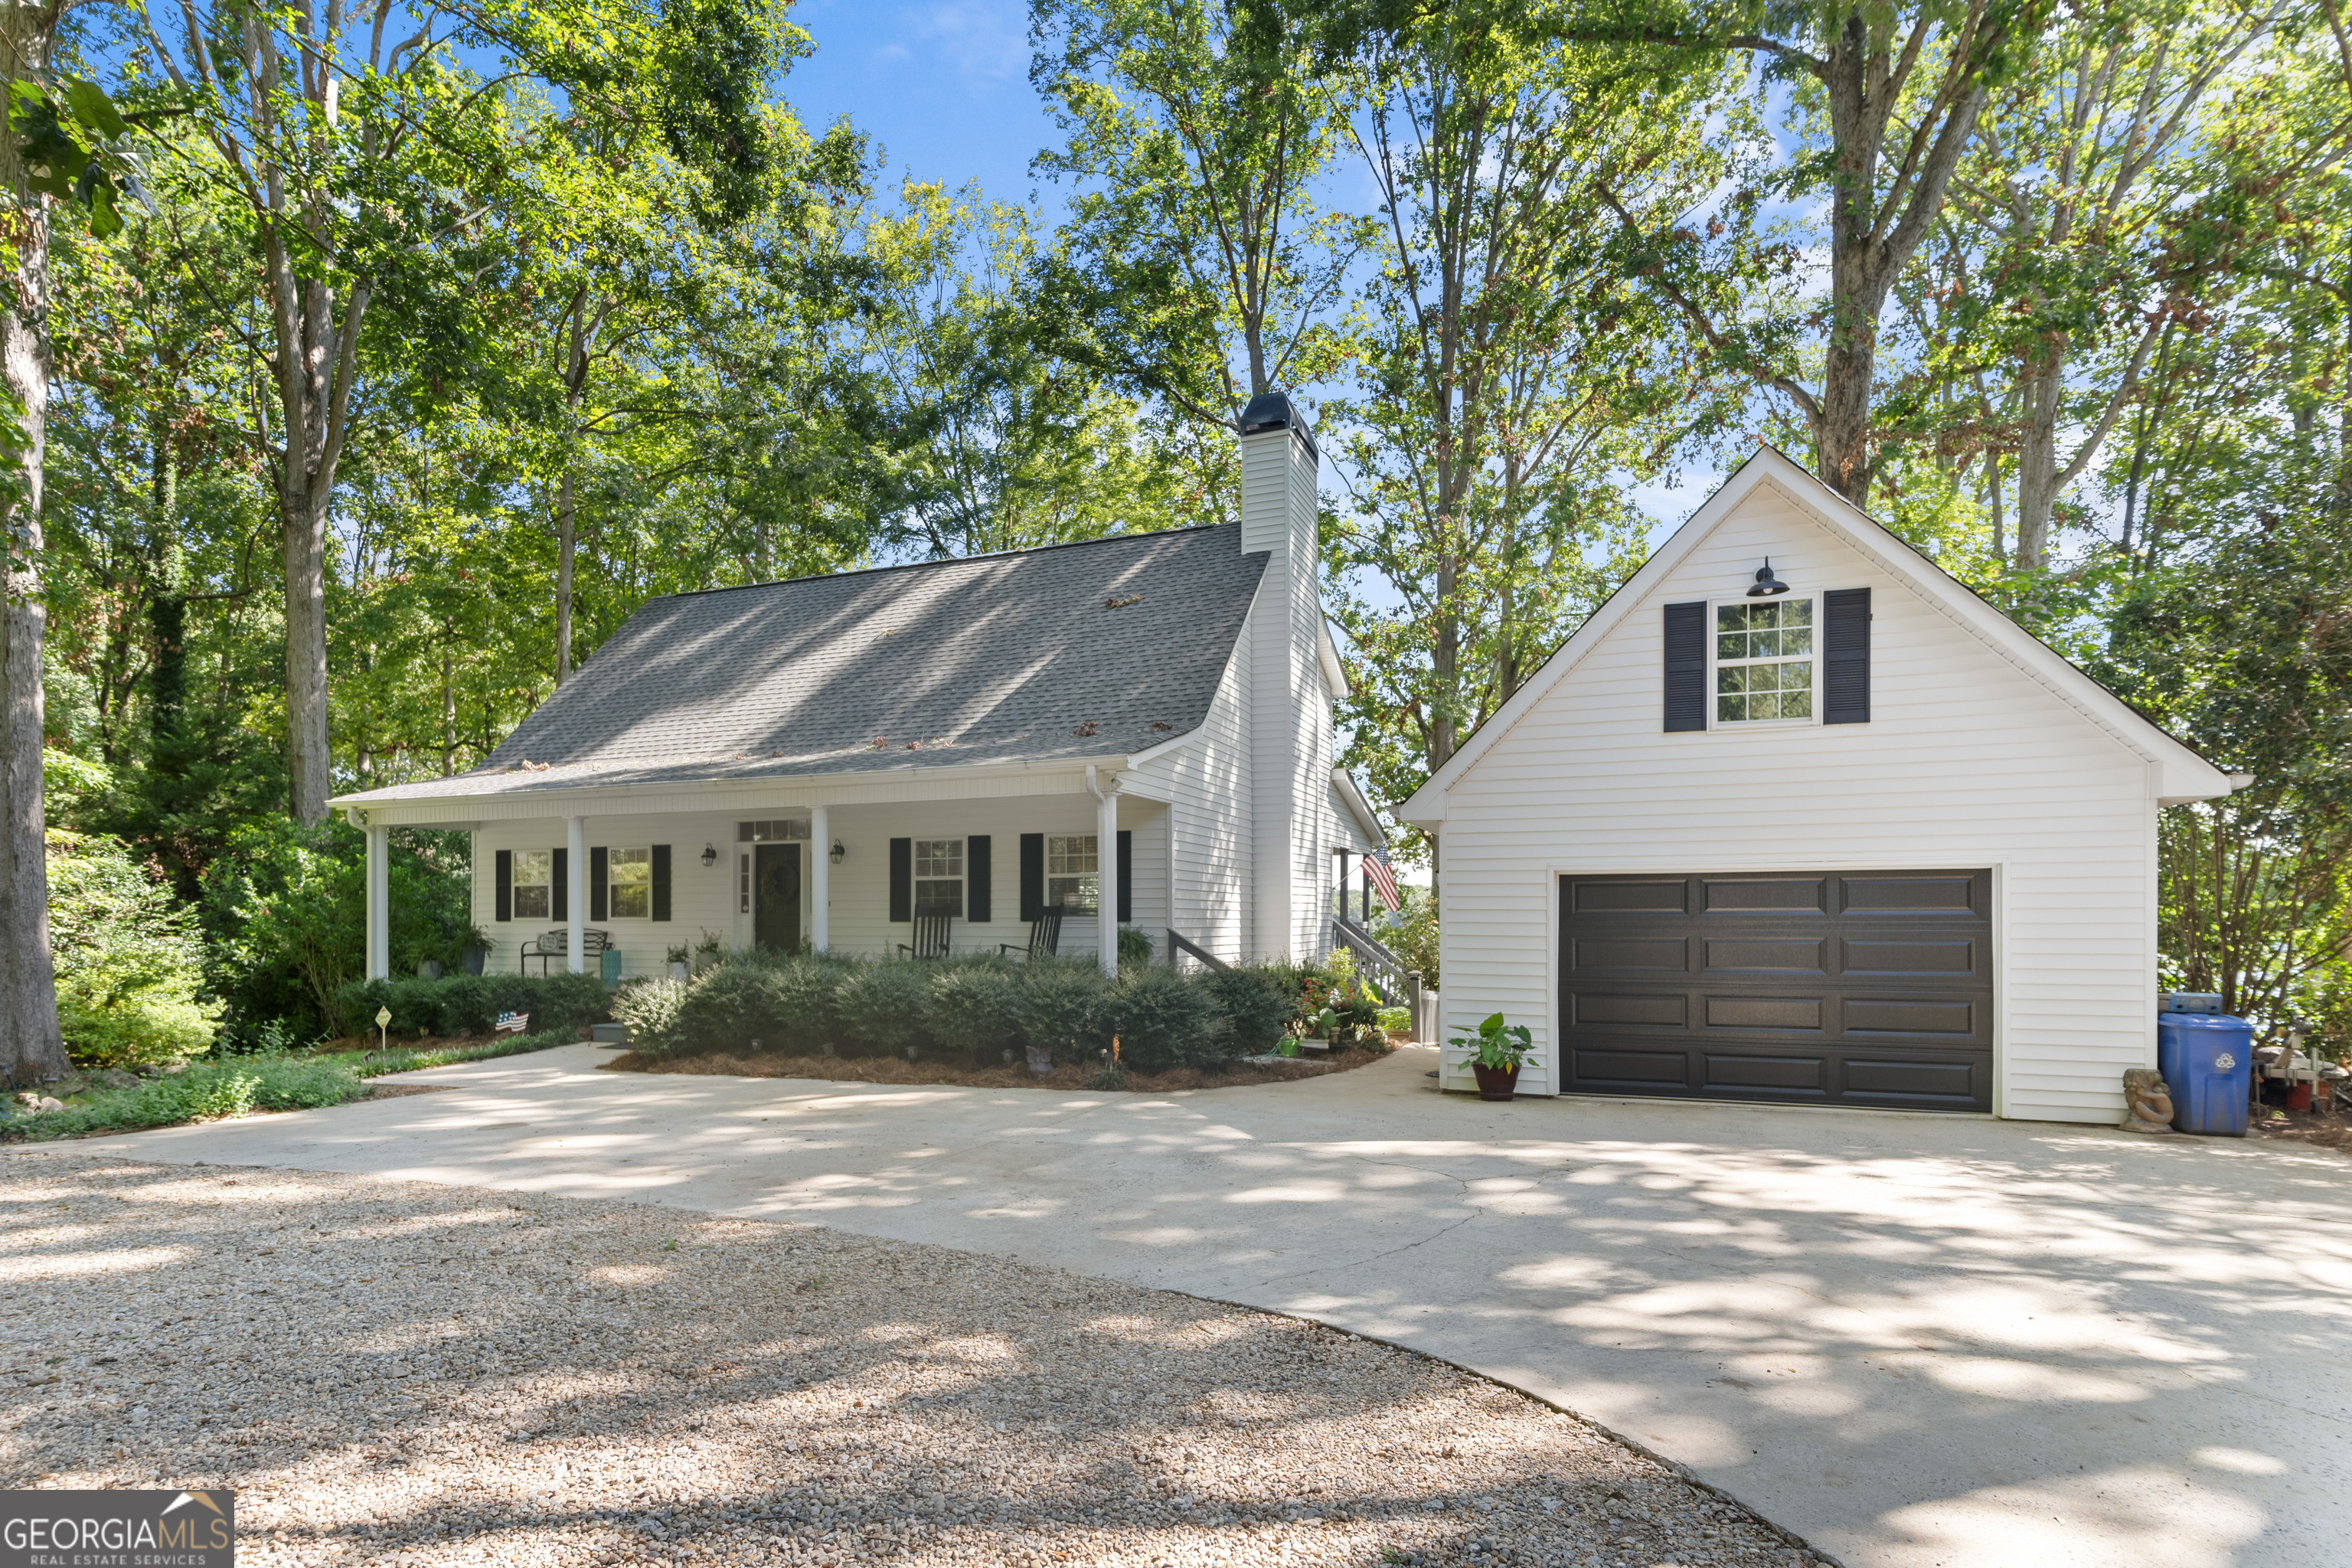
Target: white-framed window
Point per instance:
(1765, 667)
(1072, 871)
(782, 830)
(629, 884)
(534, 884)
(938, 876)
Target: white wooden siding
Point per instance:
(705, 899)
(1966, 763)
(1208, 819)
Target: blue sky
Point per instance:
(943, 87)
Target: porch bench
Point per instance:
(548, 947)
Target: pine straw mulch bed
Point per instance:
(898, 1069)
(2303, 1127)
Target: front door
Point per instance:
(776, 897)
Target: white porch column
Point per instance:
(379, 904)
(576, 855)
(820, 878)
(1107, 879)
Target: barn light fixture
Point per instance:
(1765, 583)
(709, 855)
(838, 852)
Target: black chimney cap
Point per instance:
(1273, 411)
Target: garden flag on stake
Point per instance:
(1383, 881)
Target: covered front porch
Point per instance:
(837, 865)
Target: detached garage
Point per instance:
(1797, 818)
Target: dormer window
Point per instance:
(1764, 661)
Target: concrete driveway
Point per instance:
(1913, 1340)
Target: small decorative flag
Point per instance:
(1383, 880)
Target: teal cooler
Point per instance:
(2208, 1063)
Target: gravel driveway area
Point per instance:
(391, 1371)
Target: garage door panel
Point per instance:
(1909, 893)
(1889, 1016)
(1602, 1068)
(1797, 1074)
(1764, 1013)
(1944, 1085)
(1749, 955)
(1618, 897)
(1669, 954)
(1666, 1010)
(1747, 895)
(1857, 988)
(1917, 955)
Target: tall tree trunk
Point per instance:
(2043, 391)
(448, 712)
(30, 1045)
(302, 522)
(565, 542)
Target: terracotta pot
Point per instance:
(1496, 1083)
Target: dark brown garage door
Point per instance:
(1808, 987)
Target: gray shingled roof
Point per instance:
(993, 659)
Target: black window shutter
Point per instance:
(1845, 655)
(902, 879)
(599, 869)
(1126, 876)
(661, 881)
(1033, 875)
(976, 870)
(1686, 667)
(506, 885)
(560, 892)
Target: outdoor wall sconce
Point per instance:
(838, 851)
(1767, 585)
(709, 855)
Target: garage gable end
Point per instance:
(1846, 579)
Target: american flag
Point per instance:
(1383, 880)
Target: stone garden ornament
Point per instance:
(2148, 1103)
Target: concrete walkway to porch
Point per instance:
(1916, 1341)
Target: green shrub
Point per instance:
(468, 1004)
(727, 1007)
(807, 1008)
(784, 1003)
(286, 906)
(1256, 1005)
(1163, 1020)
(883, 1004)
(1134, 947)
(975, 1008)
(1062, 1007)
(130, 961)
(650, 1008)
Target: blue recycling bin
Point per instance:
(2208, 1063)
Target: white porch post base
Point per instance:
(379, 904)
(1107, 880)
(575, 846)
(820, 878)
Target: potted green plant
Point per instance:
(1502, 1048)
(679, 967)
